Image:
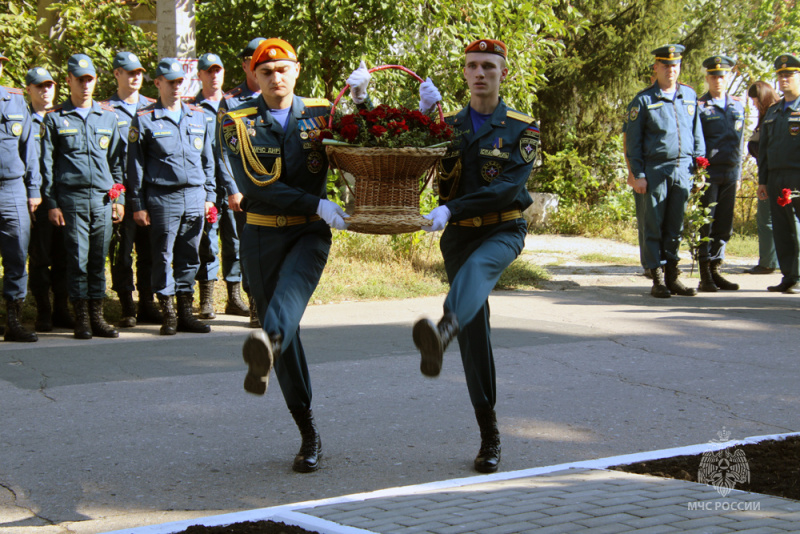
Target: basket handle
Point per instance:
(375, 69)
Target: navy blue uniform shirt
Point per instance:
(19, 155)
(779, 147)
(722, 131)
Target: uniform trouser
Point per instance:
(131, 234)
(47, 264)
(668, 186)
(221, 234)
(87, 234)
(722, 191)
(638, 201)
(176, 223)
(239, 218)
(284, 266)
(785, 222)
(15, 234)
(474, 259)
(766, 244)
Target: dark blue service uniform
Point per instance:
(130, 233)
(171, 175)
(663, 137)
(81, 162)
(778, 169)
(722, 132)
(225, 226)
(19, 181)
(284, 243)
(482, 182)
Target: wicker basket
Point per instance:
(386, 180)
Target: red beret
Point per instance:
(488, 46)
(272, 50)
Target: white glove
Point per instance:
(429, 95)
(358, 82)
(439, 216)
(331, 213)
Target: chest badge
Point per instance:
(103, 142)
(491, 170)
(314, 161)
(794, 129)
(16, 128)
(690, 109)
(133, 134)
(198, 143)
(303, 135)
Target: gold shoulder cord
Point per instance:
(444, 176)
(249, 156)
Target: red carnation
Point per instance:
(325, 134)
(786, 197)
(349, 132)
(347, 119)
(398, 127)
(116, 191)
(213, 214)
(377, 130)
(702, 162)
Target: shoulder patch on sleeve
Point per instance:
(315, 102)
(519, 116)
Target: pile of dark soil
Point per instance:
(774, 467)
(248, 527)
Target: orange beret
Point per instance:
(272, 50)
(488, 46)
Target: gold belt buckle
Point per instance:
(477, 221)
(280, 221)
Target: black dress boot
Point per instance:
(719, 280)
(62, 317)
(432, 340)
(787, 286)
(307, 459)
(100, 327)
(675, 286)
(169, 325)
(255, 322)
(83, 329)
(207, 300)
(659, 289)
(187, 322)
(148, 311)
(128, 319)
(14, 330)
(259, 353)
(44, 313)
(489, 454)
(236, 305)
(707, 285)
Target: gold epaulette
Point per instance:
(239, 113)
(13, 90)
(315, 102)
(106, 106)
(519, 116)
(194, 107)
(450, 114)
(233, 92)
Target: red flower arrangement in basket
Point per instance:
(386, 126)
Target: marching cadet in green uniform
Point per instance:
(19, 197)
(482, 196)
(722, 117)
(212, 75)
(129, 74)
(281, 170)
(171, 178)
(779, 169)
(663, 138)
(81, 163)
(243, 94)
(48, 256)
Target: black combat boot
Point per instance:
(236, 305)
(148, 311)
(187, 322)
(83, 328)
(169, 325)
(675, 286)
(44, 313)
(100, 327)
(259, 353)
(207, 300)
(489, 454)
(707, 285)
(14, 330)
(432, 340)
(128, 309)
(659, 290)
(307, 459)
(719, 281)
(787, 285)
(62, 317)
(255, 322)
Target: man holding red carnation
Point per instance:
(779, 171)
(482, 194)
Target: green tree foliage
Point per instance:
(19, 39)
